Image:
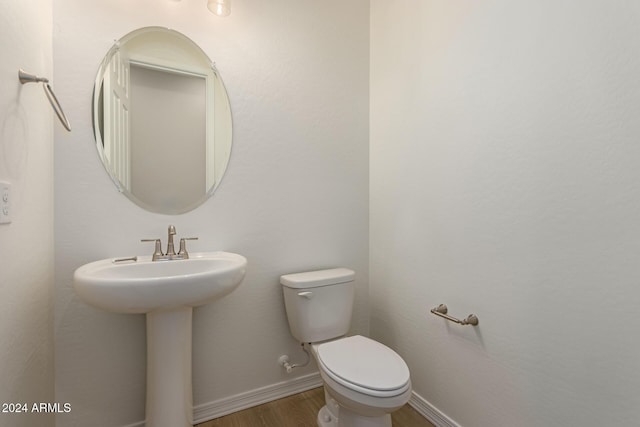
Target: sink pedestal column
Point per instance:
(169, 387)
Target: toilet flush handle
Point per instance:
(307, 295)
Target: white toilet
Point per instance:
(364, 381)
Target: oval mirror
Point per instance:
(162, 120)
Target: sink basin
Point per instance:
(166, 291)
(143, 286)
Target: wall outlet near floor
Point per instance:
(5, 202)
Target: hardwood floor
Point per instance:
(301, 410)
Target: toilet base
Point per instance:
(334, 415)
(326, 419)
(350, 419)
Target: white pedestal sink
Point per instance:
(166, 291)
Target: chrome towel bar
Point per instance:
(25, 77)
(441, 311)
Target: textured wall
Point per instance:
(505, 181)
(26, 245)
(294, 197)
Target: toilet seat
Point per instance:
(364, 365)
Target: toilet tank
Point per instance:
(319, 303)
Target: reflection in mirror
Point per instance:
(162, 120)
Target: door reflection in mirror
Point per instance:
(162, 120)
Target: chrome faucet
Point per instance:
(171, 252)
(171, 233)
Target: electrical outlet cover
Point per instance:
(5, 202)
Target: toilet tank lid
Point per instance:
(312, 279)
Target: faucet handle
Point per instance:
(157, 252)
(183, 246)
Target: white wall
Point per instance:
(505, 181)
(26, 245)
(294, 197)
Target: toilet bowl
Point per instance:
(364, 380)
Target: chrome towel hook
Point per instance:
(25, 77)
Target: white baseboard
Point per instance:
(138, 424)
(248, 399)
(430, 412)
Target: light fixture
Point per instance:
(219, 7)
